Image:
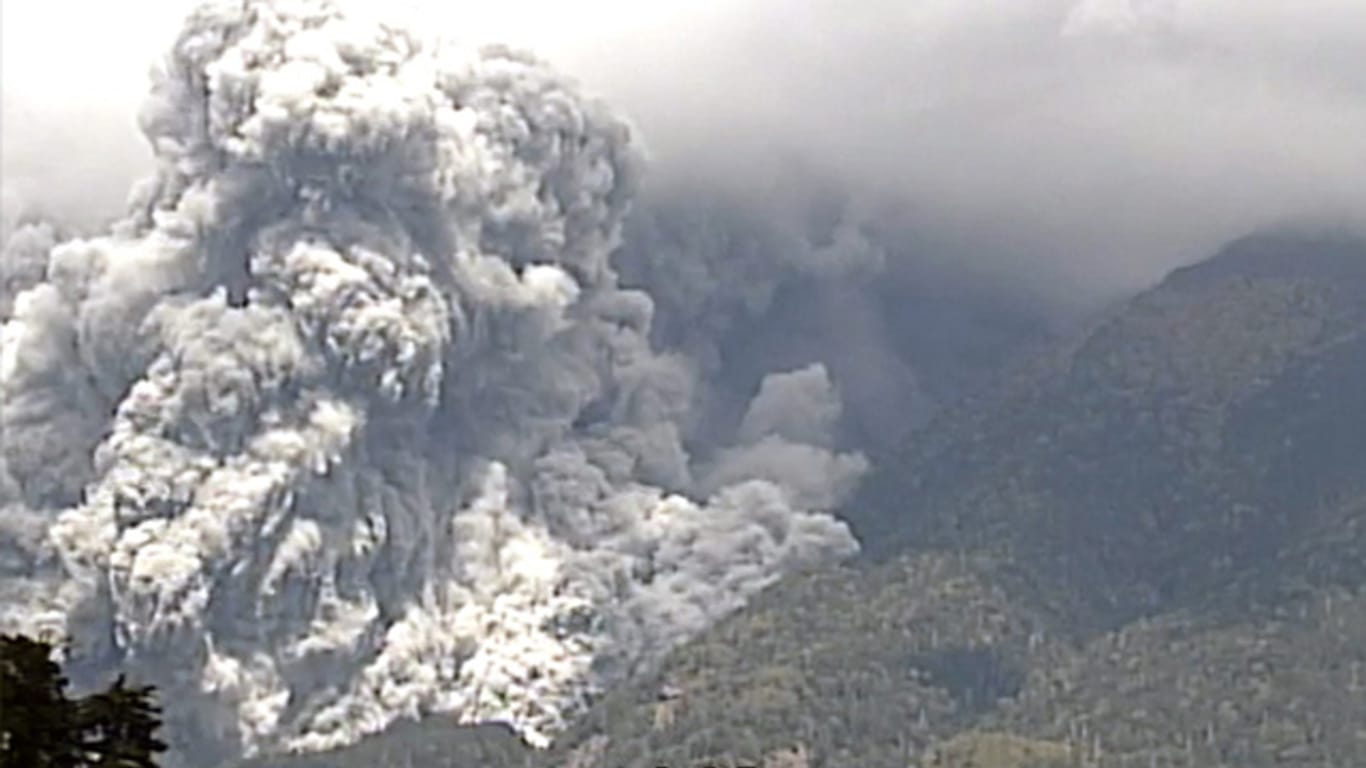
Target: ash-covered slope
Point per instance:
(350, 418)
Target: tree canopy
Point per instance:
(41, 727)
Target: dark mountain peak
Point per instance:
(1280, 256)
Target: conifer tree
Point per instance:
(41, 728)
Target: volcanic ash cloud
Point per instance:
(350, 419)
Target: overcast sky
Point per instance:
(1108, 137)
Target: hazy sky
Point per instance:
(1105, 137)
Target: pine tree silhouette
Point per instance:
(41, 728)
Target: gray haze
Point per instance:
(1099, 143)
(1085, 146)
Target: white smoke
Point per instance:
(1119, 17)
(350, 418)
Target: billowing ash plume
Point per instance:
(351, 418)
(780, 276)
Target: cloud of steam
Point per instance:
(351, 418)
